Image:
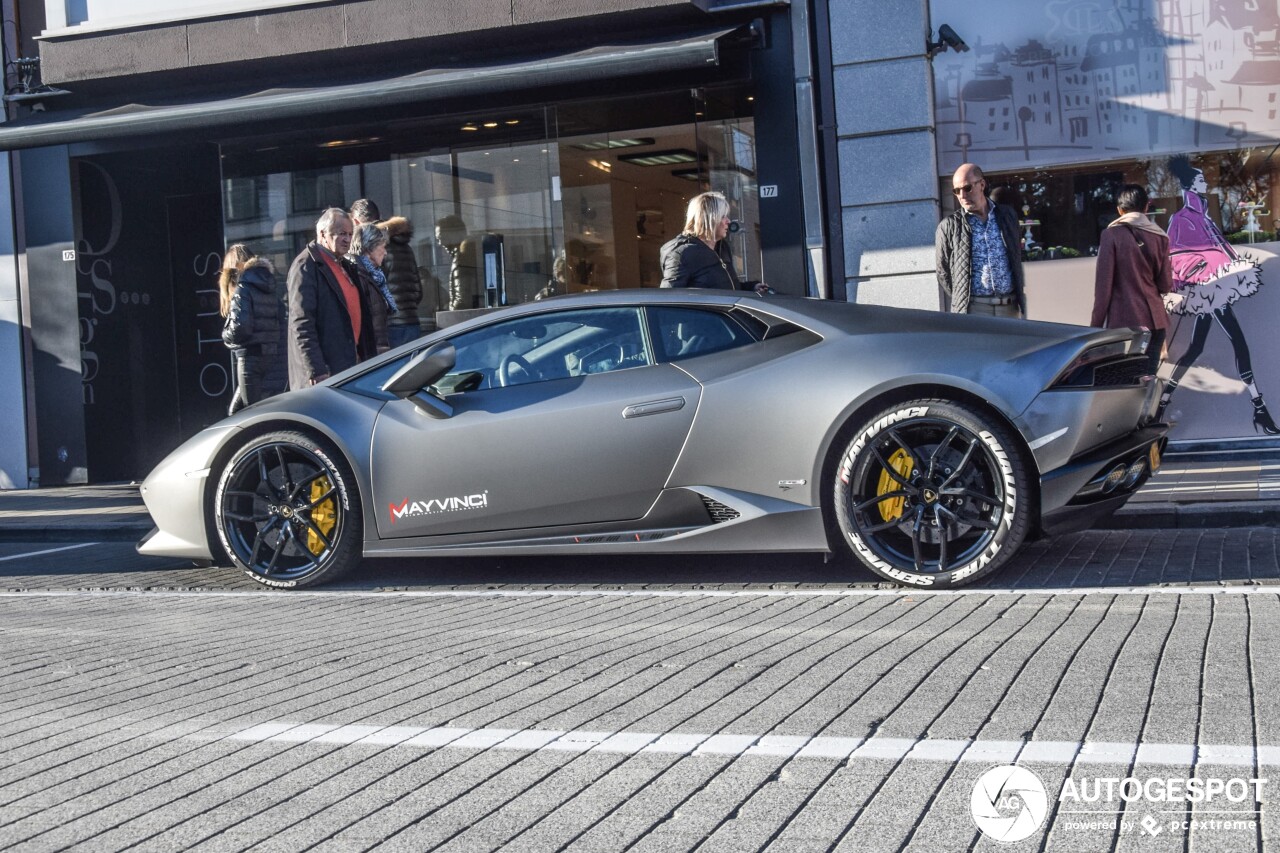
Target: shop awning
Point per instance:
(688, 51)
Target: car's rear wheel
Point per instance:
(932, 493)
(287, 511)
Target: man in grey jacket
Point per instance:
(979, 256)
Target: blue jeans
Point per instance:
(398, 335)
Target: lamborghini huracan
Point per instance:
(920, 446)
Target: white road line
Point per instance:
(946, 751)
(1242, 589)
(47, 551)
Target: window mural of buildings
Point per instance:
(1056, 82)
(1061, 102)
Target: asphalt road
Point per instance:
(727, 704)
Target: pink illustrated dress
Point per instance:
(1207, 272)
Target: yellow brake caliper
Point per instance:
(324, 516)
(891, 508)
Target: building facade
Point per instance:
(567, 138)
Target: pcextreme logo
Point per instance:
(411, 508)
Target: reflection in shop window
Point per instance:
(242, 198)
(1062, 212)
(315, 191)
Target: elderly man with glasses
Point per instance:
(979, 258)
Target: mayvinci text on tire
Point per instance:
(932, 493)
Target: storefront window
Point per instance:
(1062, 212)
(482, 218)
(515, 205)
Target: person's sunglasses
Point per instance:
(964, 190)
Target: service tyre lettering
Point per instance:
(959, 513)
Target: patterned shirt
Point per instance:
(989, 261)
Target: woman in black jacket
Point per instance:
(256, 331)
(700, 256)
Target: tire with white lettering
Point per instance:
(287, 511)
(932, 493)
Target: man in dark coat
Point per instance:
(979, 255)
(329, 320)
(1133, 272)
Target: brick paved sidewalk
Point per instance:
(646, 723)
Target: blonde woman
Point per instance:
(700, 256)
(233, 261)
(256, 328)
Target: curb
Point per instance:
(1193, 516)
(27, 532)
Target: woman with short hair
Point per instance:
(700, 256)
(1133, 272)
(368, 249)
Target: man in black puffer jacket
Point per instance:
(256, 328)
(401, 267)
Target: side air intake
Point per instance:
(719, 512)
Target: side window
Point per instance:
(546, 347)
(681, 333)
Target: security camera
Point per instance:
(951, 39)
(947, 38)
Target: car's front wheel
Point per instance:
(287, 511)
(932, 493)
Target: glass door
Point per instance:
(727, 149)
(483, 220)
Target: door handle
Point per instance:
(654, 407)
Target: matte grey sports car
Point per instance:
(926, 446)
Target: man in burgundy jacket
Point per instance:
(1133, 272)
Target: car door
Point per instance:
(558, 419)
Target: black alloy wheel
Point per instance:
(932, 493)
(287, 512)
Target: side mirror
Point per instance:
(423, 370)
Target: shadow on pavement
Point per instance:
(1094, 559)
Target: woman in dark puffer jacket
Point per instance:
(257, 331)
(700, 256)
(403, 280)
